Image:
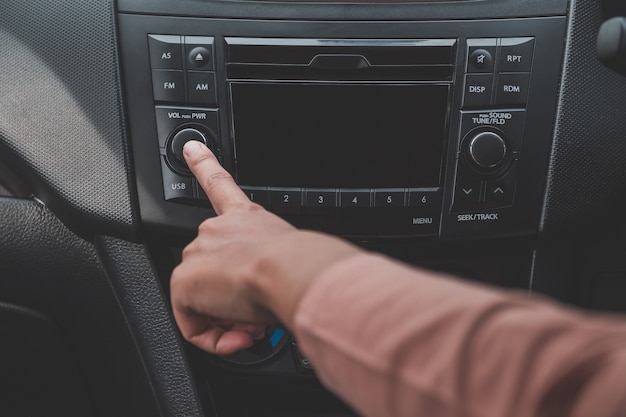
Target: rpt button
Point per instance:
(516, 54)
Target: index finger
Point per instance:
(218, 184)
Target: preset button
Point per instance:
(286, 200)
(391, 197)
(322, 199)
(423, 198)
(257, 195)
(357, 198)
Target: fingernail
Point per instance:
(192, 146)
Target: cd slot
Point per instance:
(268, 72)
(364, 53)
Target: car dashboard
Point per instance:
(482, 138)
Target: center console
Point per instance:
(438, 130)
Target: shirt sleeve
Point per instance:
(394, 341)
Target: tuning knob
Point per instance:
(486, 151)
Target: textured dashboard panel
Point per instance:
(61, 111)
(153, 326)
(47, 268)
(588, 163)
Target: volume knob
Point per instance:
(487, 151)
(176, 143)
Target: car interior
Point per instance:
(483, 138)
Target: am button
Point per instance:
(201, 87)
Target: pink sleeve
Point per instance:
(395, 341)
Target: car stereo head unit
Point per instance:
(419, 132)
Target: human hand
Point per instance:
(247, 268)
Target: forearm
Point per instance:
(282, 281)
(394, 341)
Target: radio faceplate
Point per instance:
(433, 129)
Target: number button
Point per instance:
(355, 198)
(257, 195)
(286, 200)
(322, 199)
(389, 198)
(422, 198)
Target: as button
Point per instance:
(165, 52)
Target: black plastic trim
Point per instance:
(478, 9)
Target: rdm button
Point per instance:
(512, 88)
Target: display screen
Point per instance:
(323, 135)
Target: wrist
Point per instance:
(289, 267)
